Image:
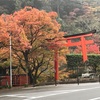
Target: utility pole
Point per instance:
(10, 60)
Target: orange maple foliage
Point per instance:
(28, 25)
(30, 29)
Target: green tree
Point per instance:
(6, 6)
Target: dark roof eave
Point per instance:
(93, 31)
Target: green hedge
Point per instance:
(73, 61)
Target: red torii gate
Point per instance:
(68, 38)
(83, 42)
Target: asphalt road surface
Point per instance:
(87, 91)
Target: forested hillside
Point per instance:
(74, 15)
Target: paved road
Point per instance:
(87, 91)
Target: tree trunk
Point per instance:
(34, 81)
(31, 77)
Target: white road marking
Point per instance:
(98, 98)
(2, 96)
(59, 92)
(15, 96)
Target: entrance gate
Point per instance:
(69, 39)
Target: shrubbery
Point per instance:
(74, 61)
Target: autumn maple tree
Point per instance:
(30, 29)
